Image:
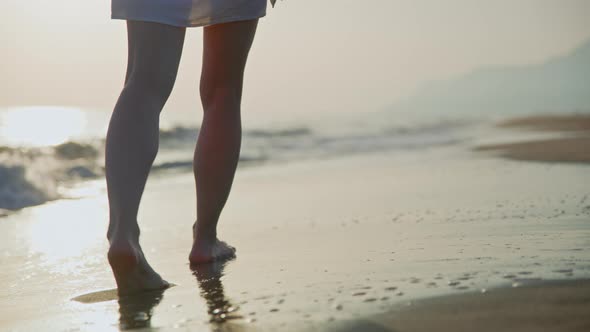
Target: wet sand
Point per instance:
(551, 307)
(320, 244)
(561, 150)
(574, 148)
(576, 122)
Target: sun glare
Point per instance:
(65, 232)
(41, 125)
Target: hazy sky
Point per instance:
(309, 57)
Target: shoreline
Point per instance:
(548, 306)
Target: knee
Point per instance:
(152, 86)
(220, 97)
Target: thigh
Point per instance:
(225, 51)
(154, 50)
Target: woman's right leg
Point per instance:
(132, 143)
(225, 53)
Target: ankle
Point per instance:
(203, 233)
(123, 234)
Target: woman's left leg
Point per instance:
(132, 143)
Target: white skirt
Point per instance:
(188, 13)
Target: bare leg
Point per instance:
(226, 48)
(132, 144)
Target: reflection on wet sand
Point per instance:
(219, 307)
(136, 310)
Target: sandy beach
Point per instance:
(452, 238)
(571, 147)
(556, 306)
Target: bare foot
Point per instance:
(209, 251)
(132, 272)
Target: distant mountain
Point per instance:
(559, 85)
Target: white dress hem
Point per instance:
(188, 24)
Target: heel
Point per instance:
(122, 261)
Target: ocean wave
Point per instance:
(178, 135)
(181, 134)
(288, 132)
(74, 150)
(32, 176)
(187, 165)
(18, 190)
